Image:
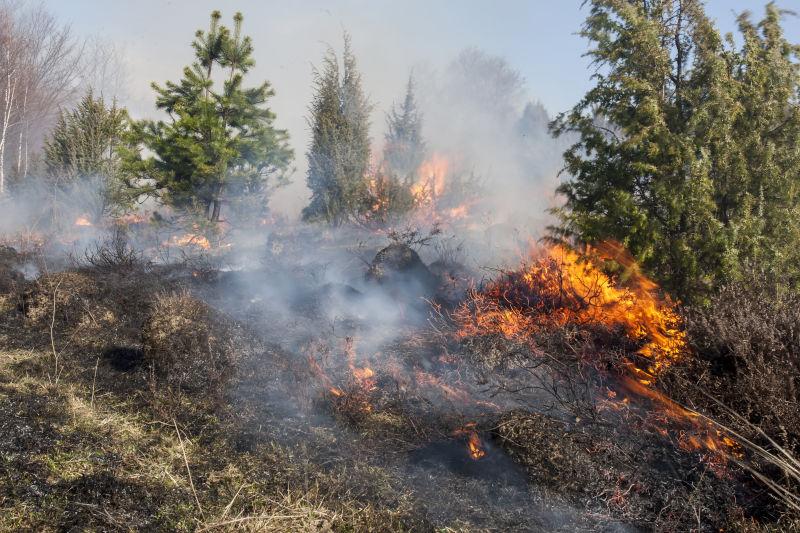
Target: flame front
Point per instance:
(190, 239)
(432, 174)
(558, 287)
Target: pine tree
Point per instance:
(83, 150)
(683, 152)
(405, 149)
(338, 159)
(219, 144)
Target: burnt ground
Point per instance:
(95, 436)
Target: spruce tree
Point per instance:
(338, 159)
(219, 144)
(405, 149)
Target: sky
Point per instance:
(537, 37)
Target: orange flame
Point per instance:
(83, 220)
(560, 287)
(474, 444)
(432, 174)
(190, 239)
(132, 218)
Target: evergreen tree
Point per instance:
(219, 144)
(684, 152)
(405, 148)
(338, 159)
(83, 151)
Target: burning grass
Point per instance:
(408, 433)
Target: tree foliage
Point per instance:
(405, 148)
(219, 144)
(83, 151)
(687, 146)
(338, 158)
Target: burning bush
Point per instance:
(189, 346)
(560, 288)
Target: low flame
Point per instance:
(132, 218)
(83, 220)
(190, 239)
(474, 444)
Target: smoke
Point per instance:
(479, 110)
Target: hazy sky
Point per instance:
(389, 38)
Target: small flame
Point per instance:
(190, 239)
(474, 443)
(132, 218)
(83, 220)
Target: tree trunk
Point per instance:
(217, 207)
(8, 107)
(22, 134)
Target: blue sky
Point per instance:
(537, 37)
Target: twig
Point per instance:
(52, 338)
(94, 381)
(188, 470)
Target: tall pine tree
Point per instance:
(338, 159)
(220, 143)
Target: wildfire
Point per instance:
(558, 287)
(83, 220)
(132, 218)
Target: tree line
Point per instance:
(219, 144)
(687, 146)
(685, 149)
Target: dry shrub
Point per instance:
(9, 276)
(189, 346)
(114, 254)
(748, 341)
(69, 292)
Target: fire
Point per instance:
(83, 220)
(558, 287)
(474, 444)
(132, 218)
(190, 239)
(432, 174)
